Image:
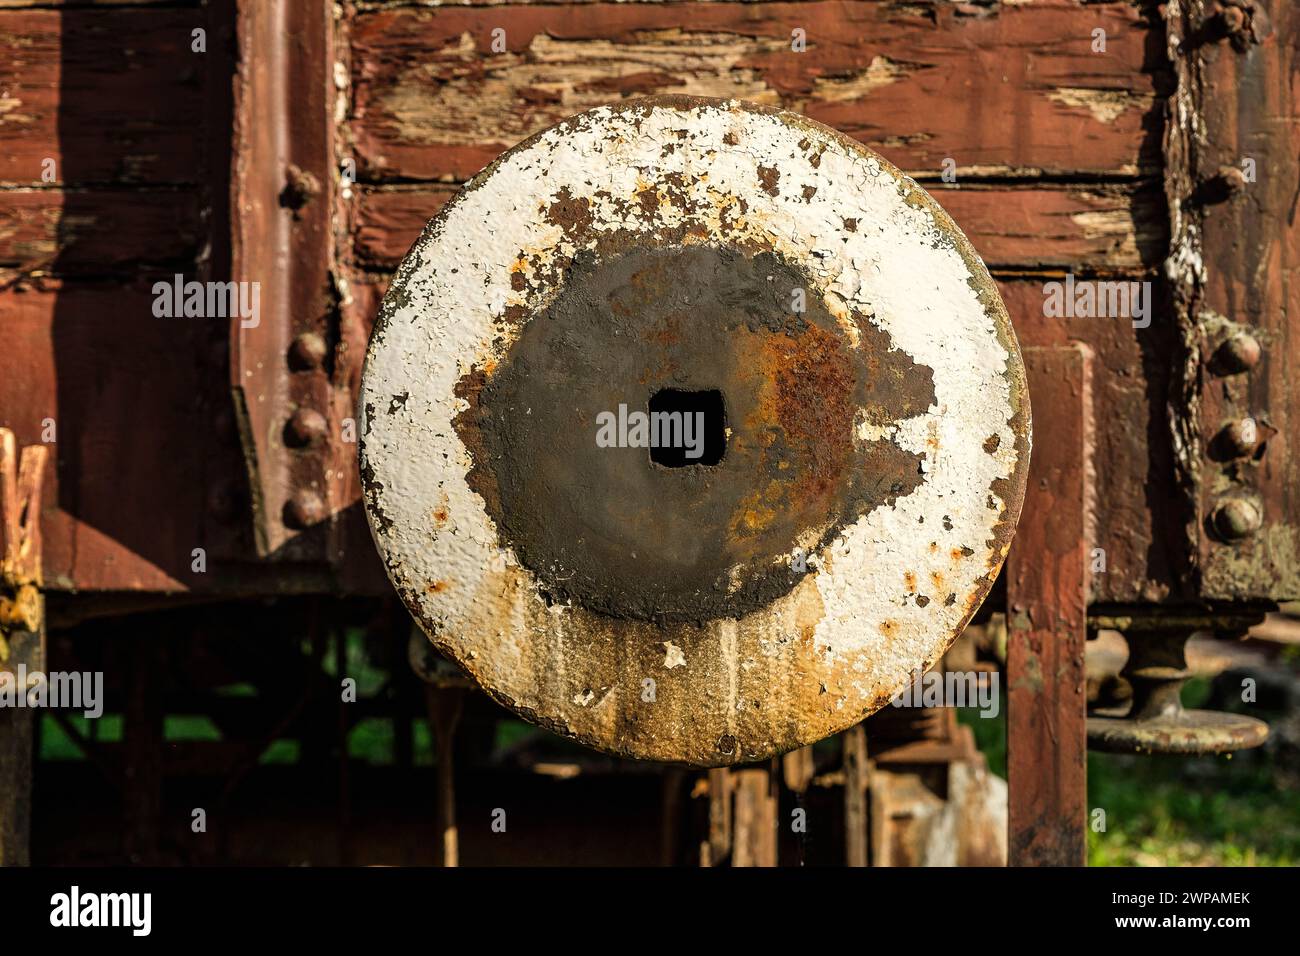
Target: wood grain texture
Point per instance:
(96, 232)
(920, 82)
(110, 95)
(141, 448)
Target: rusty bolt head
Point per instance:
(305, 427)
(1233, 179)
(1239, 352)
(304, 509)
(307, 352)
(1239, 438)
(1233, 19)
(300, 188)
(1242, 23)
(1227, 182)
(1237, 518)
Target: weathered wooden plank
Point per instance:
(1101, 228)
(19, 4)
(25, 649)
(139, 431)
(109, 95)
(1093, 228)
(717, 849)
(1138, 528)
(920, 81)
(368, 5)
(95, 231)
(1047, 617)
(143, 426)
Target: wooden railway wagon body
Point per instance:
(201, 464)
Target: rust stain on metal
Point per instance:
(792, 468)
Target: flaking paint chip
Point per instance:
(673, 656)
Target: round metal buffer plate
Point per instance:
(693, 430)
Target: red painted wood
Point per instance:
(1047, 603)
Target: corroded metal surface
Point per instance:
(874, 463)
(1047, 621)
(1230, 177)
(1184, 732)
(281, 242)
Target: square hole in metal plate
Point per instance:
(687, 427)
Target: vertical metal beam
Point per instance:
(283, 183)
(1047, 597)
(1232, 150)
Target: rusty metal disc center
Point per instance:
(601, 523)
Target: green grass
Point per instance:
(1178, 811)
(1192, 811)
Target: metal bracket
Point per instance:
(1047, 599)
(1157, 670)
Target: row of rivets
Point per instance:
(1235, 516)
(305, 428)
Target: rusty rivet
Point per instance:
(304, 509)
(1237, 518)
(1234, 20)
(306, 426)
(1227, 182)
(1233, 178)
(307, 351)
(1239, 352)
(1241, 22)
(300, 187)
(1239, 438)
